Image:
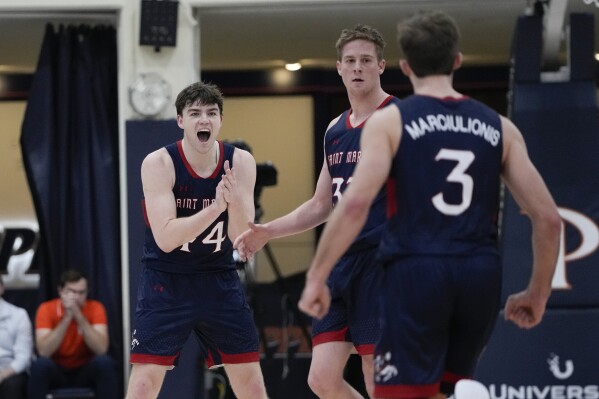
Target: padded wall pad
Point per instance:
(527, 46)
(560, 124)
(548, 361)
(582, 47)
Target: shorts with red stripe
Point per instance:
(212, 305)
(437, 316)
(354, 284)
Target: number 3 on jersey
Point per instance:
(457, 175)
(215, 236)
(337, 183)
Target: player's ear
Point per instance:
(382, 64)
(405, 67)
(457, 62)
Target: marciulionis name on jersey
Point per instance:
(452, 123)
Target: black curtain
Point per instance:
(69, 141)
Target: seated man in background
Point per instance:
(71, 336)
(15, 349)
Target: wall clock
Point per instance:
(149, 94)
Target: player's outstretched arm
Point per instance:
(379, 141)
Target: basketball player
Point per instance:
(441, 155)
(198, 195)
(351, 325)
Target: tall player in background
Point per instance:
(351, 324)
(442, 156)
(195, 205)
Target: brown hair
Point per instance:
(71, 276)
(199, 93)
(361, 32)
(429, 42)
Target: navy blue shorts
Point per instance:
(354, 284)
(437, 316)
(213, 305)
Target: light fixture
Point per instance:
(296, 66)
(597, 56)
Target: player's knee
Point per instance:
(321, 382)
(141, 387)
(252, 388)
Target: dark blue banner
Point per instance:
(557, 359)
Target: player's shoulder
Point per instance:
(394, 100)
(157, 158)
(334, 121)
(385, 114)
(242, 157)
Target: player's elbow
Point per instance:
(321, 207)
(553, 222)
(548, 221)
(355, 206)
(166, 245)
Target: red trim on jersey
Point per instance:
(366, 349)
(210, 361)
(406, 391)
(453, 378)
(391, 203)
(185, 162)
(238, 358)
(221, 160)
(153, 359)
(247, 357)
(361, 125)
(330, 336)
(385, 102)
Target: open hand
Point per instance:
(229, 180)
(251, 241)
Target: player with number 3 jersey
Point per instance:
(441, 157)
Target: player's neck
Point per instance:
(203, 163)
(435, 86)
(363, 107)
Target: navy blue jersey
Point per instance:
(342, 152)
(210, 251)
(443, 187)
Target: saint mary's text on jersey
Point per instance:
(338, 157)
(191, 203)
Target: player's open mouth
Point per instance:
(203, 135)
